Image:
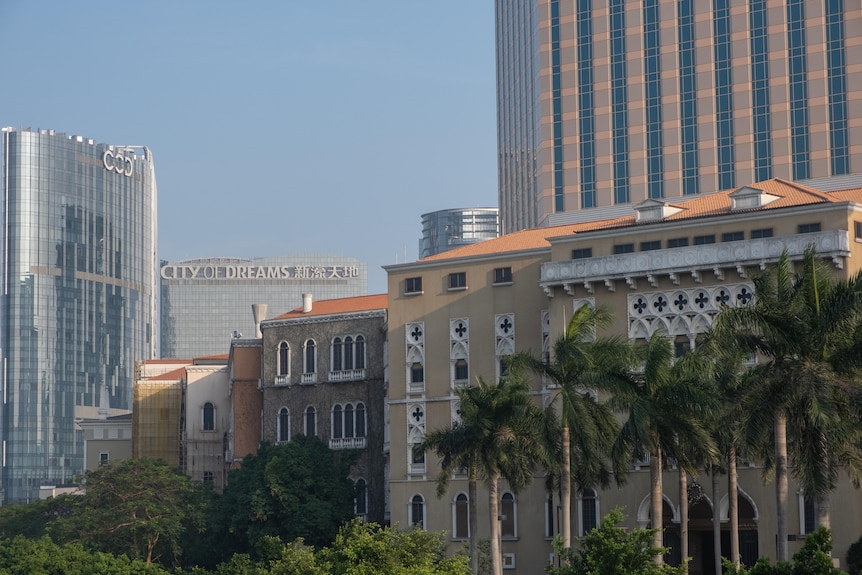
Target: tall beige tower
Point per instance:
(605, 103)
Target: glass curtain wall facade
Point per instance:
(79, 296)
(605, 103)
(206, 302)
(444, 230)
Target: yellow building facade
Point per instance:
(667, 269)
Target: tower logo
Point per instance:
(118, 162)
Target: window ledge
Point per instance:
(495, 284)
(509, 538)
(457, 288)
(412, 293)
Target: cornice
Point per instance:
(694, 260)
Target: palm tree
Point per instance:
(580, 362)
(806, 326)
(500, 435)
(661, 404)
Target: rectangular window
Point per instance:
(732, 237)
(809, 228)
(417, 373)
(704, 240)
(413, 285)
(458, 280)
(103, 458)
(650, 246)
(502, 275)
(624, 248)
(582, 253)
(762, 233)
(857, 226)
(677, 242)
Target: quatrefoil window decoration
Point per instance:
(506, 325)
(461, 329)
(418, 414)
(744, 296)
(416, 334)
(660, 303)
(640, 305)
(722, 298)
(680, 302)
(701, 300)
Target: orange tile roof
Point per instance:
(789, 194)
(214, 356)
(173, 375)
(340, 305)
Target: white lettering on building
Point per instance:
(239, 272)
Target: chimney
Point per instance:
(306, 302)
(258, 310)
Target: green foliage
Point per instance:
(296, 490)
(814, 558)
(854, 558)
(31, 520)
(136, 507)
(43, 557)
(609, 550)
(368, 549)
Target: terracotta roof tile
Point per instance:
(789, 194)
(173, 375)
(340, 305)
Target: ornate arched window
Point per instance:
(310, 357)
(348, 421)
(208, 417)
(337, 349)
(359, 352)
(310, 421)
(283, 358)
(508, 514)
(360, 420)
(348, 352)
(461, 517)
(361, 498)
(337, 422)
(589, 511)
(284, 425)
(417, 512)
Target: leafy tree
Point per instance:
(43, 557)
(814, 558)
(579, 362)
(609, 550)
(854, 558)
(297, 489)
(807, 326)
(368, 549)
(501, 434)
(31, 520)
(662, 402)
(136, 507)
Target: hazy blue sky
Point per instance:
(276, 127)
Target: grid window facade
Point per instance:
(413, 285)
(624, 248)
(458, 280)
(761, 233)
(503, 275)
(582, 253)
(732, 237)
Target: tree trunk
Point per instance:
(655, 471)
(683, 518)
(494, 515)
(566, 490)
(781, 485)
(716, 521)
(474, 520)
(733, 506)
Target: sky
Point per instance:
(278, 126)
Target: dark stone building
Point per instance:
(323, 375)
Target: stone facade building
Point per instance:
(323, 375)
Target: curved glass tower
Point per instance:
(78, 298)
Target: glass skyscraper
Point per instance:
(610, 102)
(79, 298)
(206, 302)
(445, 230)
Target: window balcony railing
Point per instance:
(459, 383)
(347, 375)
(416, 387)
(417, 468)
(308, 378)
(347, 443)
(282, 379)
